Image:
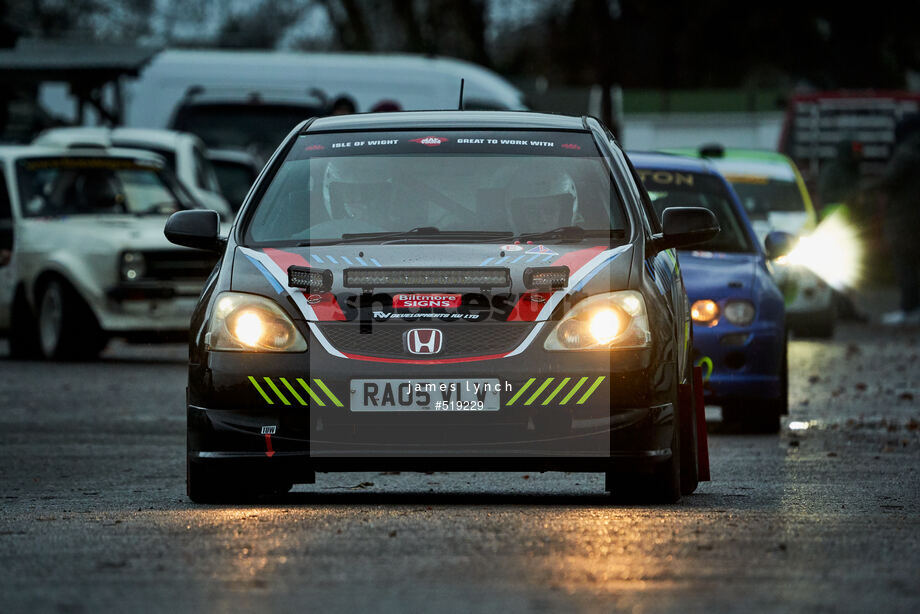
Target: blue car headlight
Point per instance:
(739, 313)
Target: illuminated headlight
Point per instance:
(615, 320)
(739, 313)
(705, 312)
(250, 323)
(479, 277)
(133, 266)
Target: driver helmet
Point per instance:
(543, 196)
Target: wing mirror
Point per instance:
(685, 226)
(777, 244)
(197, 228)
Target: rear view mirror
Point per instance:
(198, 228)
(685, 226)
(777, 244)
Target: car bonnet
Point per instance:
(717, 275)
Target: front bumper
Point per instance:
(739, 363)
(556, 410)
(147, 307)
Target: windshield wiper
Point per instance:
(420, 232)
(569, 233)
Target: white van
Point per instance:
(411, 81)
(228, 98)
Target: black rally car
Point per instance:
(443, 291)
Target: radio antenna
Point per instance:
(460, 105)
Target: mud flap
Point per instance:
(702, 443)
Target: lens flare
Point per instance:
(605, 325)
(248, 328)
(833, 252)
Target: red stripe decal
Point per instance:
(328, 308)
(526, 310)
(407, 361)
(285, 259)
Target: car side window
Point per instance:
(6, 222)
(650, 212)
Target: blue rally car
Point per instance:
(739, 332)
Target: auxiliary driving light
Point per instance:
(316, 281)
(479, 277)
(546, 278)
(833, 252)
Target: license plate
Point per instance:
(425, 395)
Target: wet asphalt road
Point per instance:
(94, 515)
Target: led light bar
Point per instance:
(546, 277)
(478, 277)
(308, 278)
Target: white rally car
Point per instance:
(184, 154)
(82, 252)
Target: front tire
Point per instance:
(66, 328)
(761, 416)
(662, 484)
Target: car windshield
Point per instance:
(82, 186)
(475, 183)
(761, 195)
(257, 128)
(670, 188)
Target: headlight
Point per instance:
(604, 321)
(740, 313)
(133, 266)
(251, 323)
(705, 312)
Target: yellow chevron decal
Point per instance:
(261, 392)
(269, 386)
(555, 390)
(539, 390)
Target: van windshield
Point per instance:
(460, 185)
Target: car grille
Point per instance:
(460, 339)
(178, 265)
